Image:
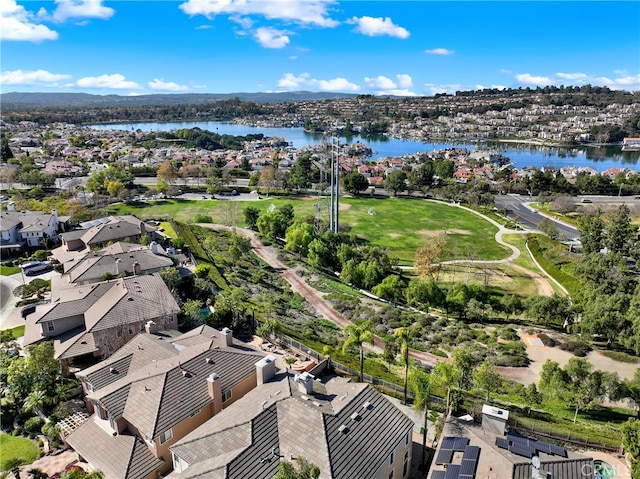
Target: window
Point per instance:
(405, 467)
(165, 436)
(391, 475)
(226, 396)
(51, 326)
(149, 441)
(176, 462)
(98, 409)
(89, 387)
(131, 330)
(391, 458)
(406, 439)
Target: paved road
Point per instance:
(518, 209)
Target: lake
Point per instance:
(520, 154)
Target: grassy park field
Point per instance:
(402, 225)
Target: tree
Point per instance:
(167, 172)
(619, 232)
(631, 390)
(36, 371)
(631, 443)
(402, 334)
(305, 470)
(424, 293)
(487, 378)
(445, 376)
(591, 229)
(428, 256)
(171, 277)
(270, 178)
(251, 216)
(268, 329)
(395, 181)
(192, 311)
(355, 183)
(298, 237)
(420, 382)
(391, 288)
(357, 335)
(390, 352)
(464, 362)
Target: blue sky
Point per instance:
(367, 47)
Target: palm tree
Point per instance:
(268, 329)
(420, 382)
(357, 335)
(445, 375)
(403, 335)
(34, 401)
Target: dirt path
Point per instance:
(323, 307)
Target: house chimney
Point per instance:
(153, 247)
(228, 336)
(143, 230)
(54, 213)
(305, 382)
(150, 327)
(214, 388)
(136, 268)
(11, 206)
(265, 369)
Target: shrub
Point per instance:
(33, 423)
(576, 347)
(547, 340)
(508, 333)
(200, 218)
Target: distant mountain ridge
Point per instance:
(85, 100)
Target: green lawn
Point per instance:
(9, 270)
(18, 331)
(17, 447)
(403, 225)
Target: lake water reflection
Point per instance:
(598, 158)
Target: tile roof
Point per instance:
(567, 469)
(75, 301)
(158, 395)
(285, 423)
(72, 343)
(120, 456)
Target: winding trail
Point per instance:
(323, 307)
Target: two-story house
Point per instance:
(349, 430)
(98, 318)
(154, 391)
(27, 228)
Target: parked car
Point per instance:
(36, 267)
(27, 310)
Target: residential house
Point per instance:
(349, 430)
(117, 259)
(476, 450)
(20, 229)
(101, 232)
(153, 392)
(98, 318)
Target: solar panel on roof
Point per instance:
(543, 447)
(460, 443)
(438, 474)
(447, 442)
(502, 443)
(471, 453)
(452, 471)
(466, 476)
(518, 439)
(521, 450)
(468, 467)
(444, 456)
(558, 451)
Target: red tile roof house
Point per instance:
(349, 430)
(153, 392)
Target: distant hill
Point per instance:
(17, 100)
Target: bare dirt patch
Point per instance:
(394, 235)
(431, 233)
(344, 206)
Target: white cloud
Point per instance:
(504, 70)
(290, 82)
(115, 81)
(16, 23)
(271, 38)
(386, 86)
(404, 80)
(379, 83)
(572, 76)
(313, 12)
(375, 27)
(32, 78)
(67, 9)
(628, 82)
(433, 89)
(529, 79)
(157, 84)
(439, 51)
